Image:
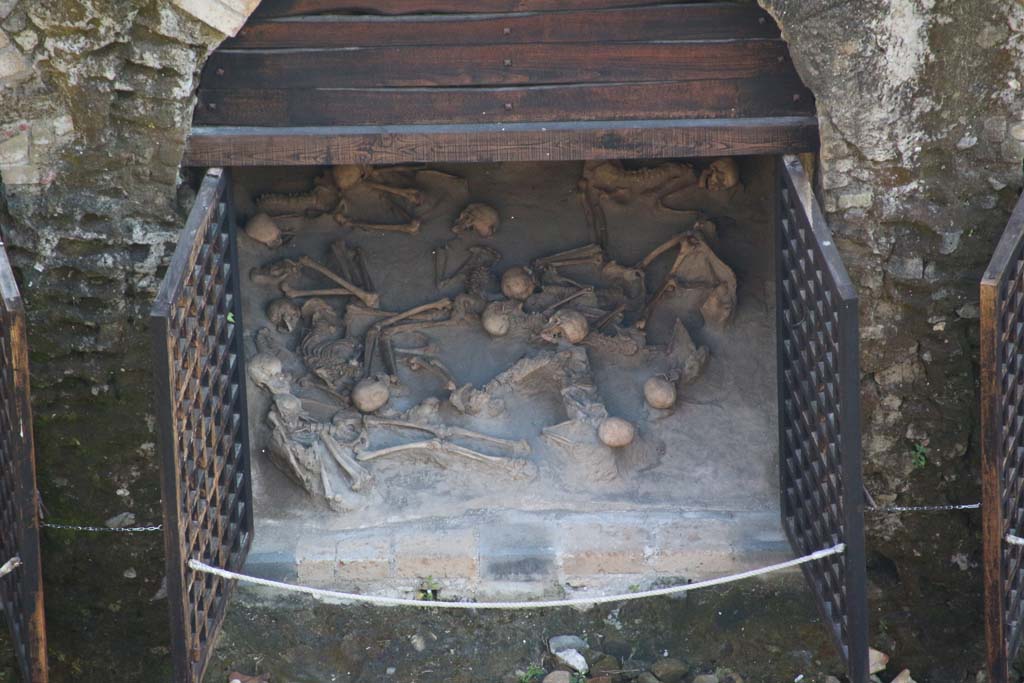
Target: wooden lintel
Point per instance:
(558, 141)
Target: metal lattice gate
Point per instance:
(819, 415)
(21, 591)
(204, 435)
(1002, 418)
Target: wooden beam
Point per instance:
(496, 65)
(559, 141)
(749, 98)
(286, 8)
(672, 22)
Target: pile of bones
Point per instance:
(359, 374)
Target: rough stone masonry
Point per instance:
(922, 121)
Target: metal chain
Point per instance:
(889, 509)
(122, 530)
(924, 508)
(159, 527)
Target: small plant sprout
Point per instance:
(429, 590)
(533, 673)
(919, 456)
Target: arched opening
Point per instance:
(405, 414)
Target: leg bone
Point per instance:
(668, 286)
(579, 261)
(589, 252)
(388, 353)
(360, 475)
(363, 269)
(410, 228)
(572, 297)
(418, 362)
(447, 432)
(439, 446)
(590, 197)
(369, 298)
(440, 304)
(659, 250)
(372, 335)
(293, 293)
(343, 257)
(411, 195)
(604, 320)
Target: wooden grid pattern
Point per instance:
(822, 500)
(21, 593)
(1002, 409)
(1011, 422)
(204, 429)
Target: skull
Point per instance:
(325, 198)
(660, 392)
(317, 307)
(481, 218)
(497, 317)
(347, 176)
(615, 432)
(632, 279)
(370, 394)
(274, 273)
(289, 407)
(264, 230)
(320, 316)
(266, 371)
(517, 283)
(565, 326)
(722, 174)
(284, 314)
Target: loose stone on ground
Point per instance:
(670, 669)
(558, 677)
(573, 659)
(560, 643)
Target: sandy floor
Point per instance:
(718, 448)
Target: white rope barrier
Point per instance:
(9, 566)
(321, 593)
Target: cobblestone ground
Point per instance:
(766, 632)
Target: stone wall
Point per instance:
(922, 120)
(922, 147)
(95, 102)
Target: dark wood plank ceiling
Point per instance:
(289, 8)
(666, 22)
(330, 67)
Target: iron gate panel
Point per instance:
(200, 377)
(21, 591)
(819, 413)
(1002, 418)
